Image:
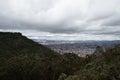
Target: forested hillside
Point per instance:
(101, 66)
(16, 44)
(24, 59)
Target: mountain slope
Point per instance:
(24, 59)
(100, 67)
(16, 44)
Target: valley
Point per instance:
(81, 48)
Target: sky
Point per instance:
(62, 19)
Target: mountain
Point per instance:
(24, 59)
(15, 44)
(89, 43)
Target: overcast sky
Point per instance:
(62, 19)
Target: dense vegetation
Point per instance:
(23, 59)
(104, 66)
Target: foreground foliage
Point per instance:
(100, 67)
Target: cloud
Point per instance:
(89, 17)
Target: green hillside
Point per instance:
(16, 44)
(24, 59)
(104, 66)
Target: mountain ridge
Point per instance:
(16, 43)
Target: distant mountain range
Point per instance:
(106, 43)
